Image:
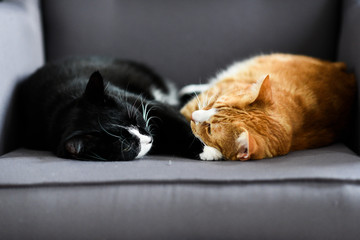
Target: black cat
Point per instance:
(121, 117)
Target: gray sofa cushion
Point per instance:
(311, 194)
(183, 211)
(33, 168)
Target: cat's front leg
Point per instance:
(210, 154)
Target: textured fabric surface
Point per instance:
(312, 194)
(188, 41)
(349, 52)
(21, 52)
(249, 211)
(332, 163)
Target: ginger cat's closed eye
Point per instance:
(269, 105)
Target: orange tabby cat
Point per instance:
(269, 105)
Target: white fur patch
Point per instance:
(169, 98)
(194, 88)
(202, 115)
(210, 154)
(145, 142)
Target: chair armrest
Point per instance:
(349, 52)
(21, 52)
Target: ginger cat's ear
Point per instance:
(263, 91)
(246, 145)
(259, 93)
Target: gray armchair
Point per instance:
(311, 194)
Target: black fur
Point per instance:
(82, 108)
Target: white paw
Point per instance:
(210, 154)
(194, 88)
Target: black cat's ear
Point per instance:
(94, 91)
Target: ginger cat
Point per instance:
(269, 105)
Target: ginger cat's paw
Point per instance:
(210, 154)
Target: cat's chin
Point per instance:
(145, 142)
(144, 149)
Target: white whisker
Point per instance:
(198, 100)
(146, 112)
(96, 156)
(205, 102)
(148, 121)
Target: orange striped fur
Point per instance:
(281, 102)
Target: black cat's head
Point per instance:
(104, 126)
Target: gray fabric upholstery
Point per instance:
(212, 211)
(188, 41)
(349, 52)
(311, 194)
(334, 163)
(21, 52)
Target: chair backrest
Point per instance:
(186, 41)
(190, 40)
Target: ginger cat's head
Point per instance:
(237, 123)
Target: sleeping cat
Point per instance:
(269, 105)
(103, 109)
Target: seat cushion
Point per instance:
(311, 194)
(31, 168)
